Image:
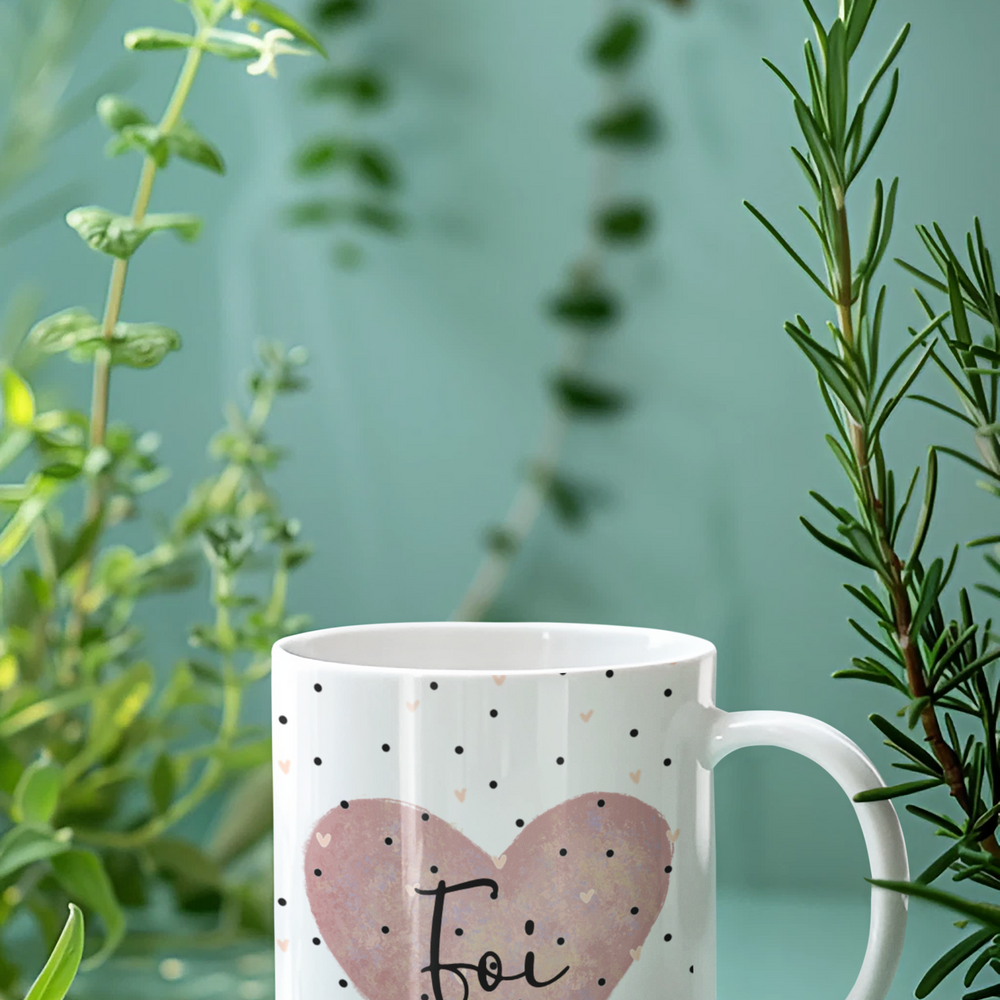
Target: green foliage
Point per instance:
(359, 169)
(633, 124)
(103, 753)
(60, 970)
(586, 305)
(940, 663)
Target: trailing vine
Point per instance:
(362, 174)
(586, 307)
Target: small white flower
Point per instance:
(273, 44)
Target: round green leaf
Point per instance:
(37, 793)
(62, 331)
(118, 113)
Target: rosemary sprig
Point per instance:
(940, 666)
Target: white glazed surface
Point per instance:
(563, 729)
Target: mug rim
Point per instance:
(690, 649)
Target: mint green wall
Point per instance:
(428, 364)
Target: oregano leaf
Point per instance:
(633, 124)
(619, 43)
(625, 222)
(117, 113)
(107, 232)
(189, 144)
(582, 396)
(152, 39)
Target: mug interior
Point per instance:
(495, 647)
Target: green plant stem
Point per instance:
(102, 362)
(527, 505)
(899, 598)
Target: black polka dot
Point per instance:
(459, 932)
(388, 841)
(669, 869)
(315, 940)
(317, 872)
(343, 983)
(282, 901)
(519, 822)
(493, 784)
(634, 733)
(385, 747)
(283, 719)
(667, 762)
(459, 749)
(668, 937)
(345, 804)
(560, 760)
(434, 685)
(562, 852)
(385, 930)
(529, 927)
(493, 713)
(691, 969)
(434, 869)
(667, 693)
(609, 673)
(317, 687)
(610, 854)
(560, 940)
(425, 816)
(634, 910)
(600, 803)
(423, 996)
(317, 761)
(600, 982)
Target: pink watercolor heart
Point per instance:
(609, 847)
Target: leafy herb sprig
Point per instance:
(586, 308)
(362, 172)
(940, 666)
(99, 761)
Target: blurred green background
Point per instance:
(428, 363)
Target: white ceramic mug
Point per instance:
(521, 811)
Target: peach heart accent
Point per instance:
(460, 795)
(283, 945)
(635, 775)
(284, 765)
(498, 679)
(586, 715)
(501, 861)
(673, 835)
(361, 888)
(412, 705)
(636, 953)
(411, 890)
(323, 839)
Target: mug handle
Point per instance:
(854, 772)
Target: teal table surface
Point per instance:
(810, 947)
(771, 947)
